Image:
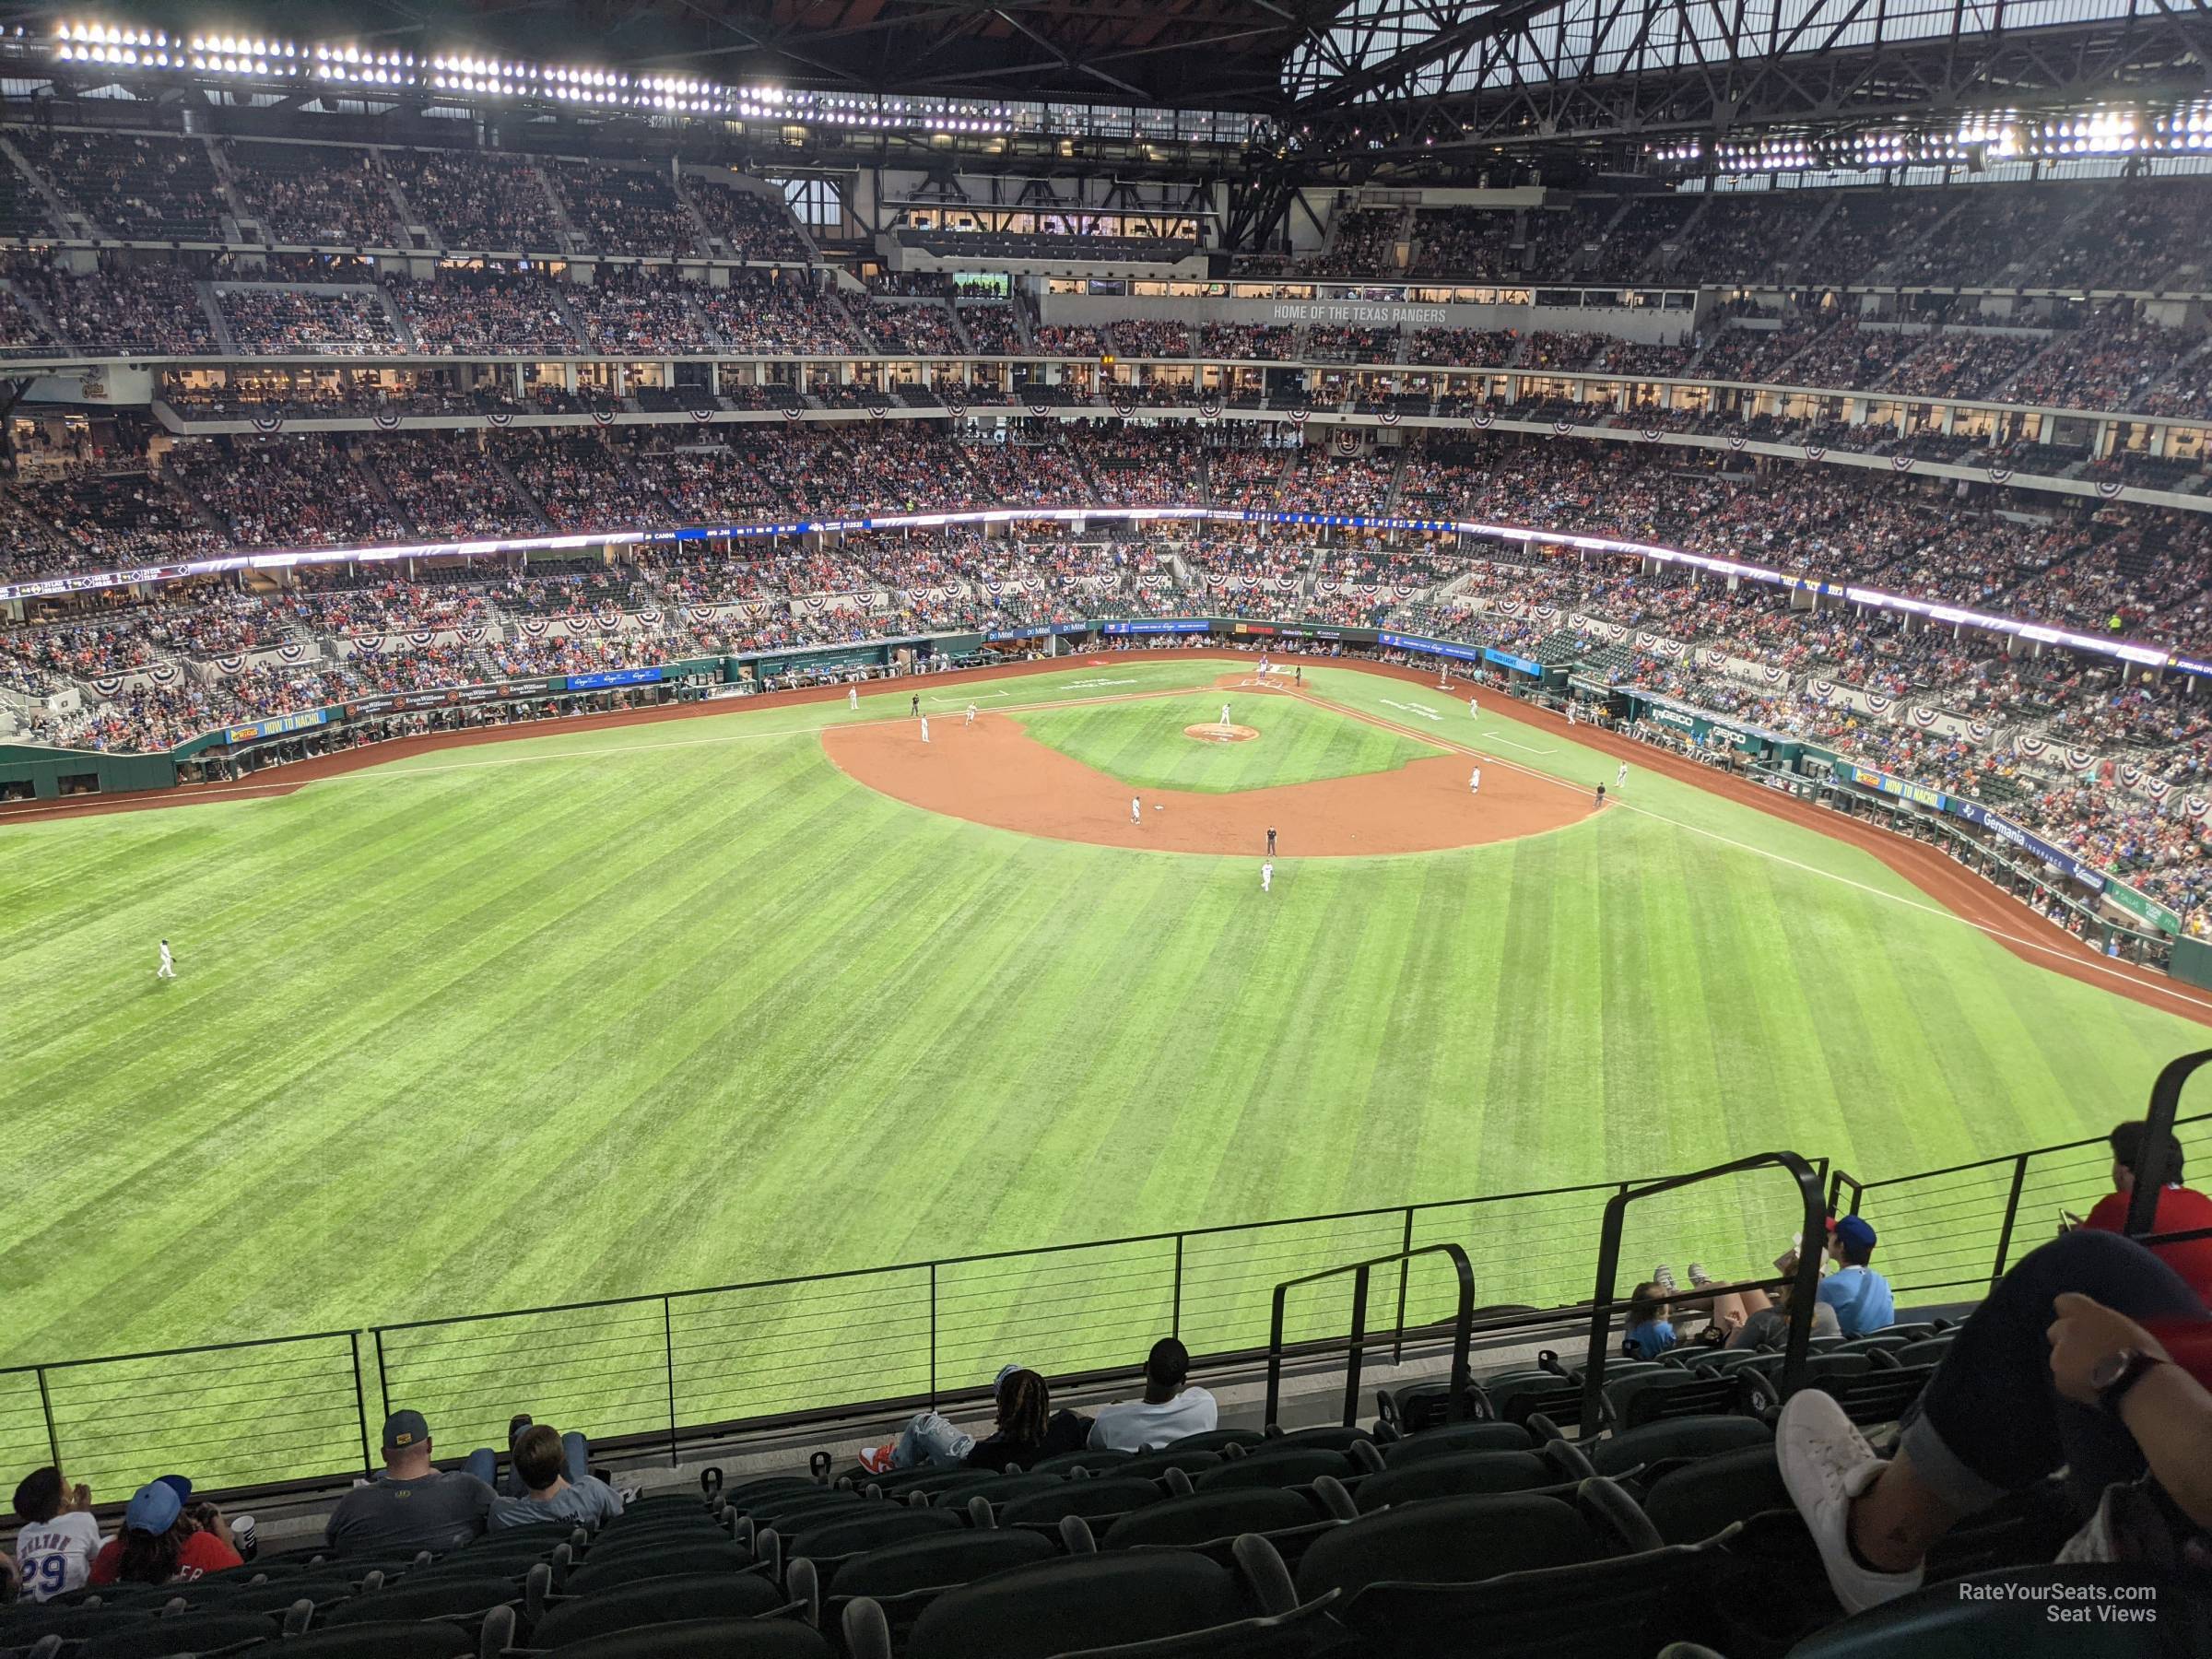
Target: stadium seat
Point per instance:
(1293, 1466)
(1697, 1499)
(1091, 1463)
(1336, 1436)
(181, 1633)
(1216, 1439)
(1929, 1350)
(1448, 1540)
(707, 1639)
(1514, 1396)
(456, 1599)
(1622, 1607)
(1453, 1438)
(1210, 1517)
(274, 1597)
(902, 1578)
(824, 1540)
(1941, 1622)
(1151, 1465)
(1667, 1393)
(656, 1601)
(384, 1639)
(613, 1546)
(594, 1576)
(23, 1625)
(1081, 1603)
(1089, 1498)
(994, 1489)
(1674, 1440)
(1468, 1472)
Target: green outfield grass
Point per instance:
(680, 1005)
(1143, 743)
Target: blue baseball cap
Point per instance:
(1855, 1230)
(154, 1509)
(999, 1381)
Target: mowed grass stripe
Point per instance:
(624, 1020)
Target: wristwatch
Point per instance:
(2117, 1372)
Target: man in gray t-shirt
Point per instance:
(552, 1493)
(413, 1508)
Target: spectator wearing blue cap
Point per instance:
(161, 1545)
(1859, 1295)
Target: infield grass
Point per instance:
(1145, 745)
(586, 1015)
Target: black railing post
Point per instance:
(933, 1336)
(383, 1382)
(668, 1355)
(1398, 1345)
(1175, 1315)
(2165, 1103)
(53, 1440)
(2012, 1211)
(360, 1404)
(1351, 1369)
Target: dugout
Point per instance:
(47, 774)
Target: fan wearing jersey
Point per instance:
(59, 1538)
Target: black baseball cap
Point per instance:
(404, 1429)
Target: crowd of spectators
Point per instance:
(317, 192)
(638, 311)
(278, 319)
(491, 309)
(477, 201)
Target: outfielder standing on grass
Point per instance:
(1621, 776)
(1474, 709)
(169, 968)
(1267, 877)
(852, 698)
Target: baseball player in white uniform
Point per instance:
(1137, 811)
(1267, 877)
(925, 728)
(1621, 776)
(971, 714)
(1474, 709)
(1475, 781)
(1225, 717)
(852, 698)
(169, 967)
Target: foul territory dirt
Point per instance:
(1963, 894)
(995, 772)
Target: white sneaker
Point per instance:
(1826, 1462)
(1664, 1276)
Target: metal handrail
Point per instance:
(1462, 1326)
(1804, 1286)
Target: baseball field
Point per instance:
(782, 989)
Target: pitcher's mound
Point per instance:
(1218, 733)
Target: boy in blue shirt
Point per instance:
(1859, 1295)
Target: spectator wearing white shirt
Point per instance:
(60, 1537)
(1170, 1408)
